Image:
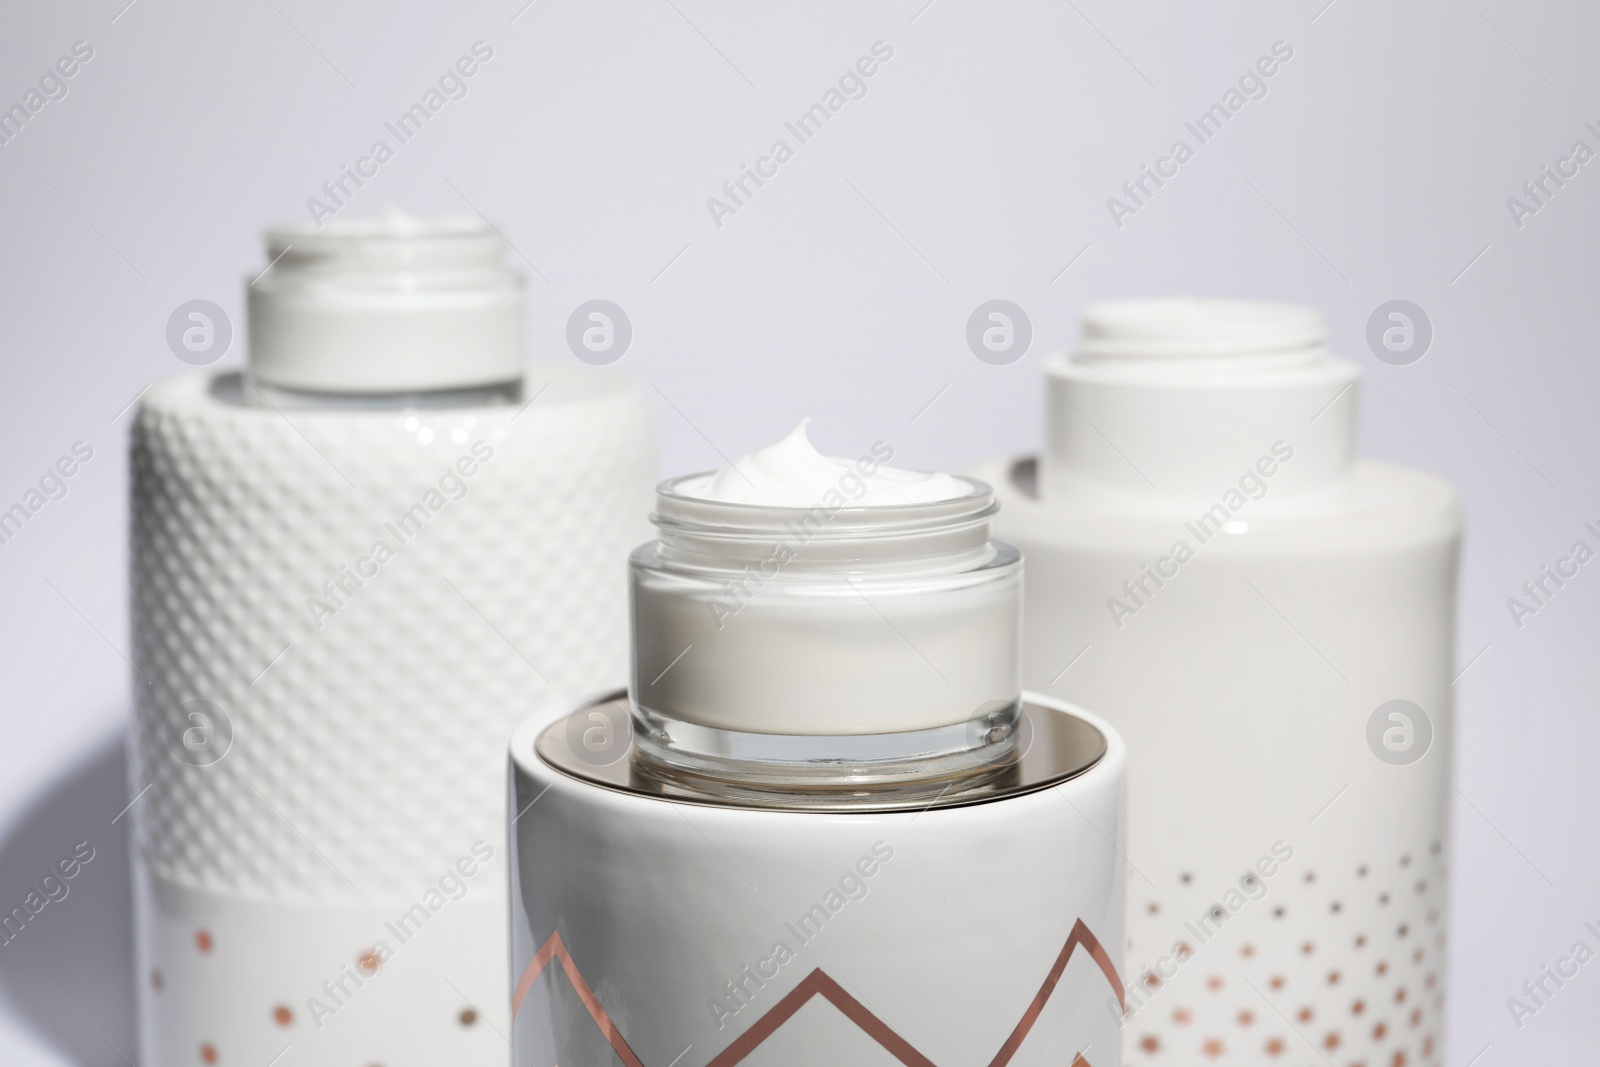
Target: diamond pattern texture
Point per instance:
(369, 715)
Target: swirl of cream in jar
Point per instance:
(793, 474)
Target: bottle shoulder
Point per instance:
(1378, 506)
(547, 385)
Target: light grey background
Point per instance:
(977, 167)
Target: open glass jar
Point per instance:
(827, 647)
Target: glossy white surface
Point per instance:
(719, 935)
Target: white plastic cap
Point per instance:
(392, 304)
(1190, 328)
(1175, 397)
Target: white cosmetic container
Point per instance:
(355, 568)
(1269, 622)
(803, 852)
(911, 607)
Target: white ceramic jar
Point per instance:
(705, 928)
(1269, 622)
(355, 568)
(845, 835)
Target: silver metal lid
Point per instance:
(595, 744)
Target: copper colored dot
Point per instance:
(1379, 1031)
(1333, 977)
(1383, 967)
(1182, 1016)
(156, 981)
(1150, 1043)
(1400, 995)
(1247, 951)
(1358, 1007)
(1212, 1047)
(208, 1054)
(1214, 982)
(1430, 981)
(468, 1016)
(1306, 949)
(1151, 980)
(1276, 982)
(369, 962)
(1153, 908)
(1331, 1041)
(1416, 1017)
(282, 1015)
(1184, 951)
(1427, 1045)
(202, 941)
(1246, 1018)
(1399, 1059)
(1361, 941)
(1305, 1014)
(1275, 1046)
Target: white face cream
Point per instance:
(811, 619)
(793, 474)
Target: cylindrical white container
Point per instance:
(653, 927)
(1269, 622)
(802, 852)
(912, 609)
(355, 568)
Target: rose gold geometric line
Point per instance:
(554, 946)
(1081, 935)
(819, 983)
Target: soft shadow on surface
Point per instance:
(68, 972)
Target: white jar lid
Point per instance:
(390, 304)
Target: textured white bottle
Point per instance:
(320, 724)
(1287, 838)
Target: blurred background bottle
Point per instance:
(356, 566)
(1269, 622)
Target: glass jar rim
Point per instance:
(694, 516)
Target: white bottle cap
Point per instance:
(1175, 397)
(392, 304)
(1188, 328)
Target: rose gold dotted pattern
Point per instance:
(1363, 988)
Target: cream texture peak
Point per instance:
(793, 474)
